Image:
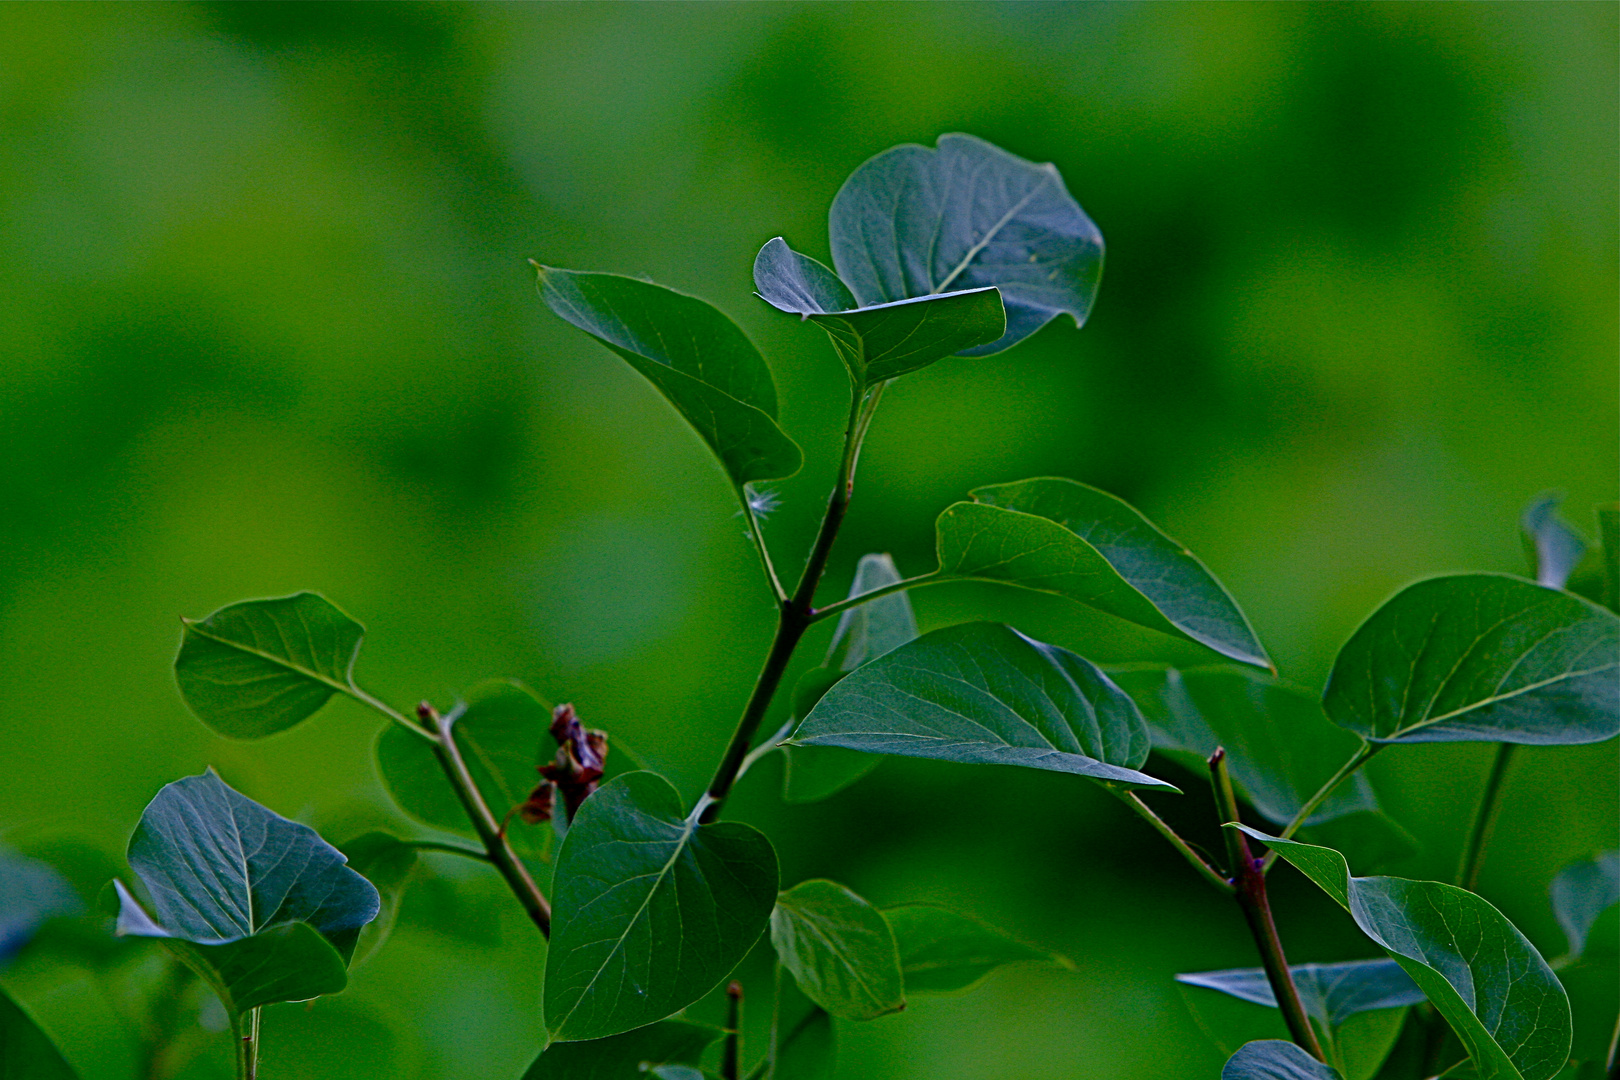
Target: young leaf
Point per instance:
(1280, 746)
(864, 633)
(839, 949)
(26, 1052)
(289, 961)
(652, 910)
(624, 1057)
(697, 358)
(941, 951)
(500, 734)
(1331, 993)
(1484, 977)
(30, 892)
(986, 694)
(1480, 657)
(261, 666)
(1552, 545)
(1581, 893)
(1274, 1059)
(220, 867)
(882, 341)
(918, 222)
(387, 863)
(1058, 536)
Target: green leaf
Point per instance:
(500, 735)
(941, 951)
(917, 222)
(219, 867)
(986, 694)
(864, 633)
(1484, 977)
(1581, 893)
(626, 1056)
(1480, 657)
(1331, 993)
(1273, 1059)
(697, 358)
(26, 1052)
(652, 910)
(388, 863)
(289, 961)
(1609, 529)
(806, 1046)
(30, 893)
(882, 341)
(1058, 536)
(839, 949)
(261, 666)
(1552, 545)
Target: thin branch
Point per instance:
(1490, 805)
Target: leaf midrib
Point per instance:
(340, 687)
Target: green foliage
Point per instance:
(985, 693)
(943, 951)
(627, 1056)
(653, 909)
(1058, 536)
(30, 893)
(1331, 993)
(1480, 657)
(1484, 977)
(1273, 1059)
(839, 949)
(1551, 544)
(26, 1052)
(261, 666)
(388, 863)
(1582, 893)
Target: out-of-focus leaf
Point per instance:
(30, 892)
(918, 222)
(1582, 892)
(806, 1042)
(1484, 977)
(261, 666)
(26, 1052)
(986, 694)
(1552, 545)
(626, 1056)
(652, 910)
(864, 633)
(697, 358)
(500, 734)
(1058, 536)
(941, 950)
(220, 867)
(1331, 993)
(1609, 530)
(1273, 1059)
(882, 341)
(1480, 657)
(387, 862)
(839, 949)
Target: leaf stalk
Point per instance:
(1197, 861)
(1360, 758)
(1490, 806)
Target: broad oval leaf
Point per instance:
(698, 359)
(1274, 1059)
(1484, 977)
(864, 633)
(652, 910)
(918, 222)
(219, 867)
(261, 666)
(388, 863)
(986, 694)
(627, 1056)
(1331, 993)
(1552, 544)
(1583, 892)
(839, 949)
(941, 950)
(26, 1052)
(883, 341)
(1480, 657)
(1059, 536)
(501, 734)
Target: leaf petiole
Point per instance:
(1197, 861)
(1357, 760)
(933, 577)
(1490, 803)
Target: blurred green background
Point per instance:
(268, 325)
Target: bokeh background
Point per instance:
(267, 324)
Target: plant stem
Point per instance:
(1251, 897)
(1490, 804)
(757, 534)
(1360, 758)
(731, 1054)
(247, 1045)
(933, 577)
(393, 714)
(1197, 861)
(449, 849)
(483, 822)
(795, 614)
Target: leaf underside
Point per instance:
(623, 1057)
(1331, 993)
(1274, 1059)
